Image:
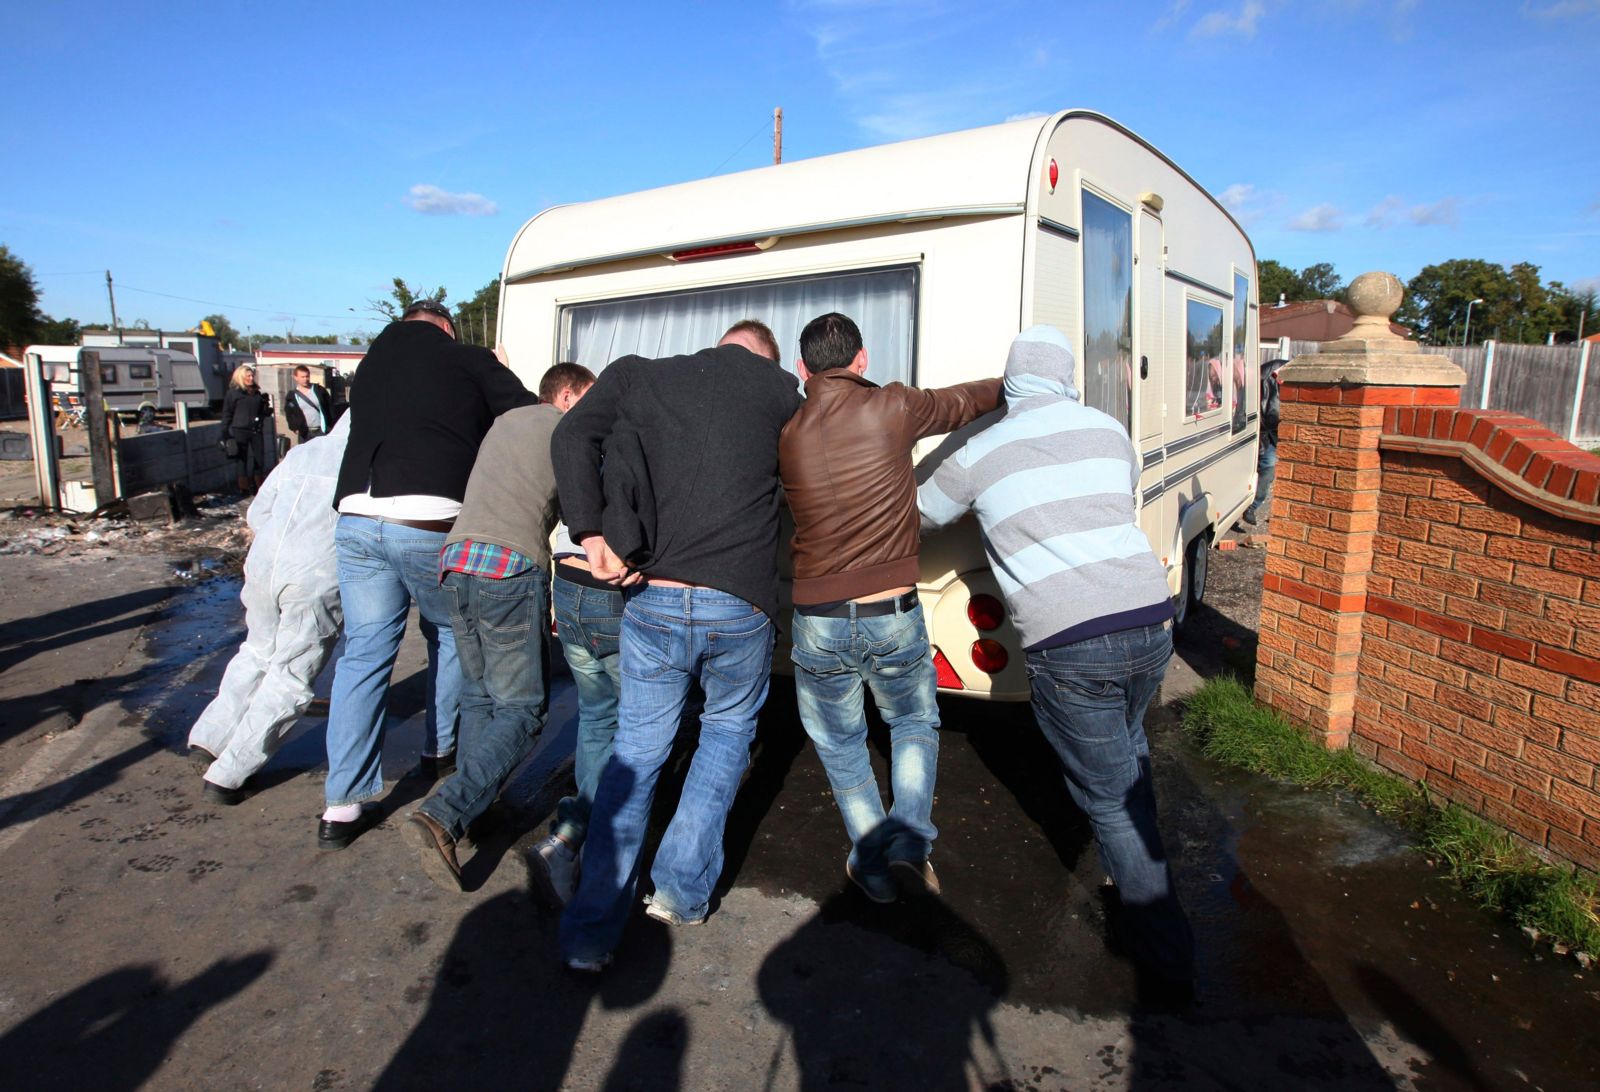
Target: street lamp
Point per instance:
(1468, 328)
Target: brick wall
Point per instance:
(1432, 600)
(1479, 669)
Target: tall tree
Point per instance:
(65, 331)
(20, 317)
(401, 296)
(1321, 282)
(1278, 280)
(1437, 298)
(1578, 310)
(226, 333)
(476, 319)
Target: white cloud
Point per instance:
(1243, 22)
(433, 201)
(1171, 16)
(1392, 210)
(874, 52)
(1318, 218)
(1247, 203)
(1027, 115)
(1560, 9)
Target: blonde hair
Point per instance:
(239, 379)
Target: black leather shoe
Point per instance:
(336, 835)
(221, 794)
(435, 767)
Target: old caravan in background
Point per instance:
(133, 379)
(942, 249)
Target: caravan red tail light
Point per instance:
(944, 674)
(720, 250)
(985, 612)
(989, 656)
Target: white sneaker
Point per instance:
(589, 966)
(553, 867)
(655, 910)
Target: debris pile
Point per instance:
(216, 533)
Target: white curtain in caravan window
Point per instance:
(882, 303)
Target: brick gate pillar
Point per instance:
(1325, 506)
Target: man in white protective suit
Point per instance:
(291, 613)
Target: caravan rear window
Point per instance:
(882, 302)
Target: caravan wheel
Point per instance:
(1196, 563)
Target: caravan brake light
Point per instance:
(945, 675)
(989, 656)
(720, 250)
(985, 612)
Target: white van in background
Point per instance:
(942, 249)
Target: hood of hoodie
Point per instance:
(1040, 362)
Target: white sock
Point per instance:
(343, 813)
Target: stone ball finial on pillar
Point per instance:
(1375, 297)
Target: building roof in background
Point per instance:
(301, 348)
(1313, 320)
(9, 361)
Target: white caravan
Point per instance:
(942, 249)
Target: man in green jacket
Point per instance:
(495, 568)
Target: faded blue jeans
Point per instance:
(1090, 699)
(589, 623)
(670, 638)
(505, 662)
(1266, 470)
(833, 657)
(382, 568)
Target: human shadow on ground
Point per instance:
(116, 1031)
(503, 1013)
(24, 637)
(885, 997)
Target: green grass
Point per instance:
(1561, 904)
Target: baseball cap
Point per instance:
(432, 307)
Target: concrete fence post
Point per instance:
(1577, 393)
(182, 411)
(1488, 373)
(1325, 506)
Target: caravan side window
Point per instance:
(1241, 370)
(1108, 308)
(139, 371)
(882, 302)
(1203, 378)
(108, 373)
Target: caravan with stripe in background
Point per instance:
(941, 250)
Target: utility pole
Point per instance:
(777, 135)
(113, 297)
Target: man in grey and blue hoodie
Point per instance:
(1053, 485)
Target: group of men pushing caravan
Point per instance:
(668, 475)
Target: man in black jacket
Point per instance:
(307, 410)
(687, 515)
(420, 405)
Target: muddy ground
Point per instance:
(156, 940)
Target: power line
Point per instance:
(759, 130)
(233, 306)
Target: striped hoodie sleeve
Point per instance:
(945, 497)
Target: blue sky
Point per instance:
(281, 162)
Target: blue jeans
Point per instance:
(589, 623)
(382, 568)
(505, 659)
(889, 653)
(1090, 698)
(670, 638)
(1266, 470)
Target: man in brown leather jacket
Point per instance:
(845, 458)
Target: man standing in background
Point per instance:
(307, 412)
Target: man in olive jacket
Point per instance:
(845, 458)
